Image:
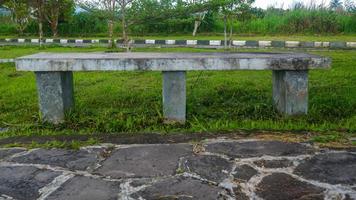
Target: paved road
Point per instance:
(213, 169)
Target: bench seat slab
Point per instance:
(55, 91)
(290, 92)
(174, 96)
(144, 61)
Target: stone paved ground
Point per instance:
(213, 169)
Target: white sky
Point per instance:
(286, 3)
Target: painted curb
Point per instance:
(7, 60)
(189, 43)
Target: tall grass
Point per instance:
(304, 20)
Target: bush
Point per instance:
(83, 23)
(8, 29)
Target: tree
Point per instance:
(199, 9)
(20, 12)
(105, 9)
(258, 13)
(335, 5)
(38, 12)
(54, 9)
(153, 14)
(198, 19)
(199, 15)
(350, 6)
(110, 8)
(234, 10)
(123, 6)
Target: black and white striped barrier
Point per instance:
(189, 43)
(6, 60)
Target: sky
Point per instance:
(285, 3)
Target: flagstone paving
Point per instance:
(211, 169)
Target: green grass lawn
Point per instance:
(340, 37)
(118, 102)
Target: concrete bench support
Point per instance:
(290, 91)
(174, 96)
(55, 84)
(55, 91)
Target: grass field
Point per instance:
(322, 38)
(120, 102)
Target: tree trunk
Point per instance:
(124, 31)
(18, 21)
(21, 28)
(124, 34)
(196, 26)
(40, 21)
(112, 43)
(225, 33)
(54, 28)
(40, 30)
(231, 31)
(111, 34)
(52, 17)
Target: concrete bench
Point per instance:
(55, 80)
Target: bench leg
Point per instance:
(290, 92)
(174, 96)
(55, 91)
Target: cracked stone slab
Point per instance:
(152, 172)
(212, 168)
(179, 188)
(71, 159)
(280, 186)
(274, 163)
(24, 182)
(144, 161)
(239, 195)
(334, 168)
(248, 149)
(9, 152)
(244, 172)
(86, 188)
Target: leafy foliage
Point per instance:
(20, 11)
(149, 17)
